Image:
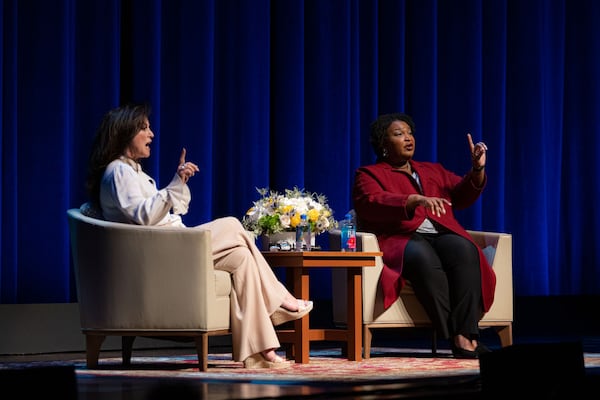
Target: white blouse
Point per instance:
(129, 195)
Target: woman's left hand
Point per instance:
(186, 169)
(478, 153)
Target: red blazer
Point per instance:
(380, 195)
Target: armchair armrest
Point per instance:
(496, 246)
(498, 249)
(140, 277)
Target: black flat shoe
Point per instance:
(458, 352)
(482, 348)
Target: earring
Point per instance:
(385, 153)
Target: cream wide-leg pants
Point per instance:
(256, 293)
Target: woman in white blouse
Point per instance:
(125, 193)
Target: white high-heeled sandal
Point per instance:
(258, 360)
(283, 315)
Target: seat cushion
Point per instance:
(222, 283)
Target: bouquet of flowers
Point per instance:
(275, 212)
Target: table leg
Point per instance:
(301, 326)
(354, 307)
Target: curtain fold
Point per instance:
(281, 94)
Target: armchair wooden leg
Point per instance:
(367, 338)
(92, 349)
(126, 349)
(202, 351)
(505, 334)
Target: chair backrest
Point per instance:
(140, 277)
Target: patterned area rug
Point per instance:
(324, 366)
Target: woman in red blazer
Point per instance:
(409, 206)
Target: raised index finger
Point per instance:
(470, 139)
(182, 157)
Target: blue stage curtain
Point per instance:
(281, 94)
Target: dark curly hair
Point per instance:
(118, 127)
(379, 130)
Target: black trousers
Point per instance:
(443, 269)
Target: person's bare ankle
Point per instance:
(293, 304)
(463, 343)
(270, 355)
(290, 305)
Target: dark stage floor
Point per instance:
(544, 329)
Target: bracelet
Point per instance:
(478, 169)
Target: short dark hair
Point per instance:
(379, 129)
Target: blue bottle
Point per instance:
(302, 232)
(348, 237)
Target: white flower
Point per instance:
(275, 212)
(285, 221)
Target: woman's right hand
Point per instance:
(436, 205)
(186, 169)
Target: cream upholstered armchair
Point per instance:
(146, 281)
(407, 311)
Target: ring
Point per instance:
(182, 167)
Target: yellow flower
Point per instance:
(275, 212)
(313, 215)
(295, 220)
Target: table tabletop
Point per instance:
(341, 259)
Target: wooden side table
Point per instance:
(298, 263)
